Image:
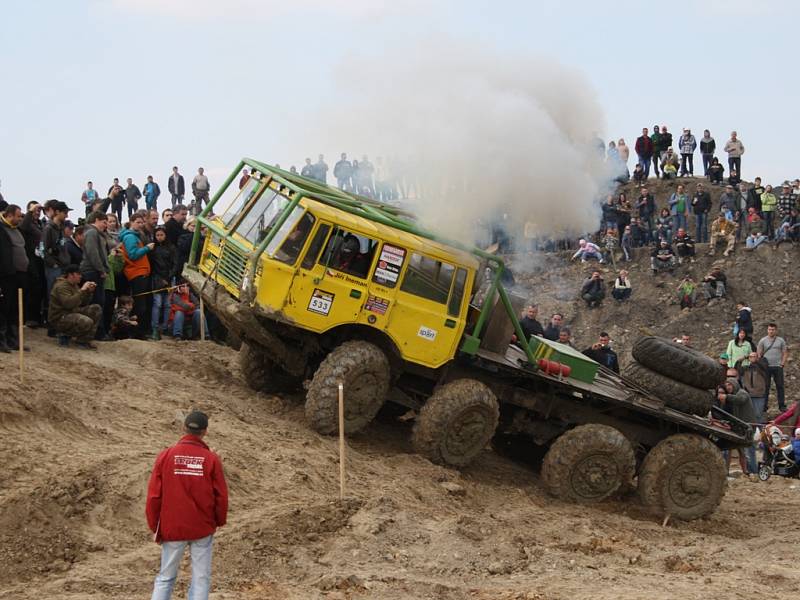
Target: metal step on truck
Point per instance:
(323, 287)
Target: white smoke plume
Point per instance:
(480, 134)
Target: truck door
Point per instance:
(331, 284)
(428, 312)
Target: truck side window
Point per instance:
(316, 245)
(428, 278)
(454, 307)
(290, 249)
(349, 253)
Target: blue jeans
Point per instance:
(701, 228)
(180, 318)
(759, 404)
(171, 554)
(645, 162)
(160, 312)
(678, 221)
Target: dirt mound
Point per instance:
(80, 435)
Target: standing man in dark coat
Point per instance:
(176, 187)
(13, 274)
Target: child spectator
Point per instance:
(124, 325)
(609, 246)
(182, 307)
(638, 174)
(687, 292)
(669, 165)
(627, 244)
(622, 287)
(733, 178)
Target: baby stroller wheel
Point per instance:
(764, 471)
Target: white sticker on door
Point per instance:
(320, 302)
(427, 333)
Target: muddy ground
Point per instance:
(80, 435)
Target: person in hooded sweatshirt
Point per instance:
(707, 148)
(163, 262)
(744, 318)
(736, 401)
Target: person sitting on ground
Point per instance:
(662, 258)
(670, 165)
(736, 401)
(687, 292)
(684, 246)
(602, 353)
(715, 172)
(587, 250)
(722, 228)
(529, 323)
(565, 337)
(69, 313)
(733, 178)
(552, 330)
(125, 325)
(593, 290)
(610, 243)
(754, 241)
(183, 306)
(622, 287)
(789, 228)
(664, 226)
(755, 377)
(739, 350)
(714, 284)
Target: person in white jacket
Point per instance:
(687, 144)
(735, 149)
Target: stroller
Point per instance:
(779, 458)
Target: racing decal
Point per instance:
(188, 465)
(320, 302)
(427, 333)
(377, 304)
(387, 271)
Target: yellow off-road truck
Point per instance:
(325, 287)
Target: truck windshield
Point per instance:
(262, 216)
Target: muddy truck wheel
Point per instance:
(678, 362)
(364, 370)
(675, 394)
(456, 422)
(261, 374)
(588, 464)
(683, 476)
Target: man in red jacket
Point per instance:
(187, 499)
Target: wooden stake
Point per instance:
(21, 336)
(202, 320)
(341, 441)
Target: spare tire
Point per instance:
(675, 394)
(678, 362)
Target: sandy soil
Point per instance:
(80, 435)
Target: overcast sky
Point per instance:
(93, 89)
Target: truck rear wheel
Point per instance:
(588, 464)
(683, 476)
(364, 370)
(678, 362)
(456, 422)
(675, 394)
(261, 374)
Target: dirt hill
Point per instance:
(80, 435)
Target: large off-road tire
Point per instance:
(678, 362)
(261, 374)
(364, 370)
(675, 394)
(456, 422)
(588, 464)
(684, 476)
